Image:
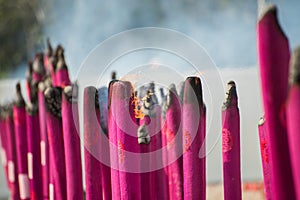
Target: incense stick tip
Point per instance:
(231, 94)
(143, 135)
(19, 100)
(53, 100)
(266, 9)
(295, 66)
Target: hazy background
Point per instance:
(225, 28)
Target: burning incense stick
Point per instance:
(193, 139)
(34, 153)
(105, 170)
(44, 146)
(274, 55)
(91, 144)
(11, 155)
(38, 68)
(122, 99)
(70, 123)
(265, 157)
(231, 145)
(174, 146)
(62, 74)
(21, 142)
(112, 134)
(293, 118)
(57, 186)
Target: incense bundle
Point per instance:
(34, 153)
(265, 157)
(44, 146)
(112, 134)
(62, 74)
(105, 169)
(231, 145)
(122, 99)
(274, 55)
(174, 146)
(91, 145)
(12, 155)
(19, 114)
(57, 186)
(293, 118)
(193, 139)
(70, 124)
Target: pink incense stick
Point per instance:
(274, 55)
(70, 122)
(19, 114)
(112, 134)
(193, 116)
(38, 68)
(57, 186)
(12, 155)
(293, 118)
(34, 153)
(91, 145)
(174, 146)
(44, 146)
(265, 157)
(231, 145)
(62, 74)
(105, 167)
(123, 100)
(4, 144)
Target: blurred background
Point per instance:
(225, 28)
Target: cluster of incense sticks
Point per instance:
(40, 137)
(279, 128)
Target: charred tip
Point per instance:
(29, 71)
(19, 100)
(261, 121)
(71, 93)
(61, 63)
(59, 50)
(295, 66)
(193, 90)
(32, 108)
(49, 50)
(114, 75)
(230, 94)
(267, 9)
(143, 135)
(110, 89)
(6, 110)
(34, 91)
(53, 100)
(38, 64)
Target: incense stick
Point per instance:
(11, 155)
(293, 118)
(4, 144)
(34, 153)
(265, 157)
(274, 55)
(193, 138)
(92, 149)
(122, 99)
(105, 155)
(70, 123)
(231, 145)
(44, 145)
(57, 186)
(62, 74)
(173, 123)
(21, 143)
